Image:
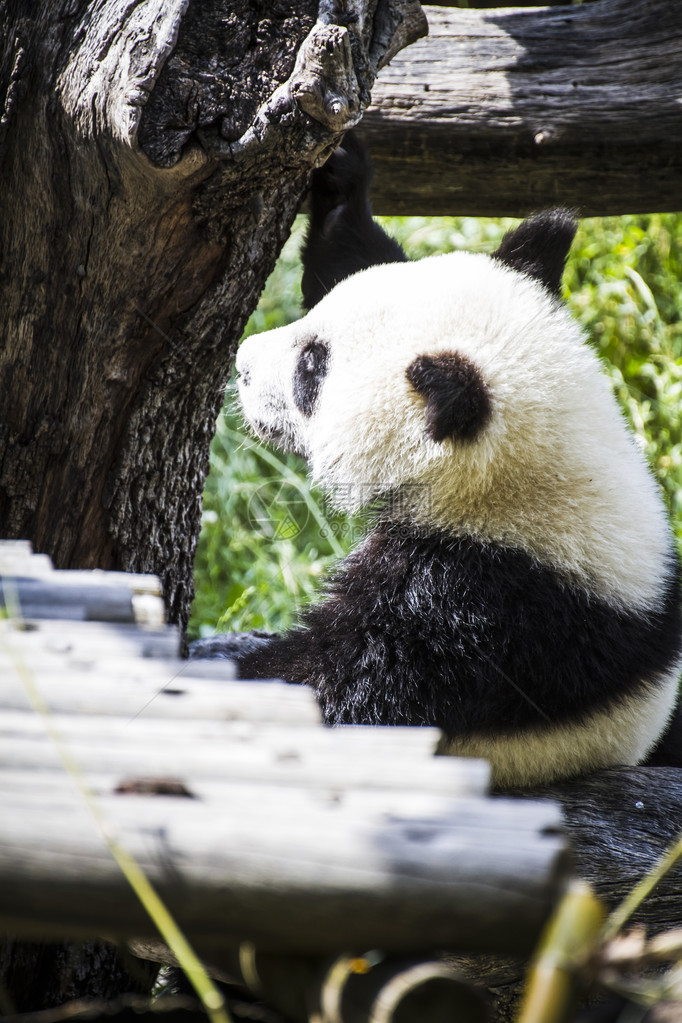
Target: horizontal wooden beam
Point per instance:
(313, 880)
(196, 753)
(503, 111)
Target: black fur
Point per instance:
(539, 247)
(311, 369)
(472, 637)
(458, 403)
(342, 236)
(668, 750)
(230, 646)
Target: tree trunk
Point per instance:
(153, 157)
(34, 976)
(501, 112)
(153, 154)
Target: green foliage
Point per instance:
(624, 282)
(268, 538)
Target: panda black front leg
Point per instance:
(231, 646)
(342, 235)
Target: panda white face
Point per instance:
(347, 386)
(465, 387)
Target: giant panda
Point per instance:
(519, 586)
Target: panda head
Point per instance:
(409, 369)
(461, 383)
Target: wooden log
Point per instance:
(88, 640)
(18, 558)
(504, 111)
(318, 884)
(291, 761)
(18, 548)
(620, 821)
(31, 590)
(343, 741)
(256, 806)
(54, 666)
(19, 561)
(55, 597)
(157, 693)
(287, 796)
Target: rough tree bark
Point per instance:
(153, 154)
(500, 112)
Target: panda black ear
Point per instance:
(539, 246)
(458, 403)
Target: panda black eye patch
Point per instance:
(310, 371)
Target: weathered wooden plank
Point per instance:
(319, 883)
(19, 562)
(58, 597)
(57, 664)
(287, 796)
(314, 765)
(17, 558)
(148, 693)
(343, 740)
(88, 639)
(31, 589)
(23, 548)
(256, 806)
(504, 111)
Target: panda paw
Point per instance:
(342, 237)
(342, 181)
(230, 646)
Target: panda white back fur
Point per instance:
(520, 588)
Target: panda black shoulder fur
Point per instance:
(520, 588)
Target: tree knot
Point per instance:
(324, 83)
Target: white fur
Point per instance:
(555, 471)
(621, 735)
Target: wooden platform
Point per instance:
(255, 823)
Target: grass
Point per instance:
(268, 537)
